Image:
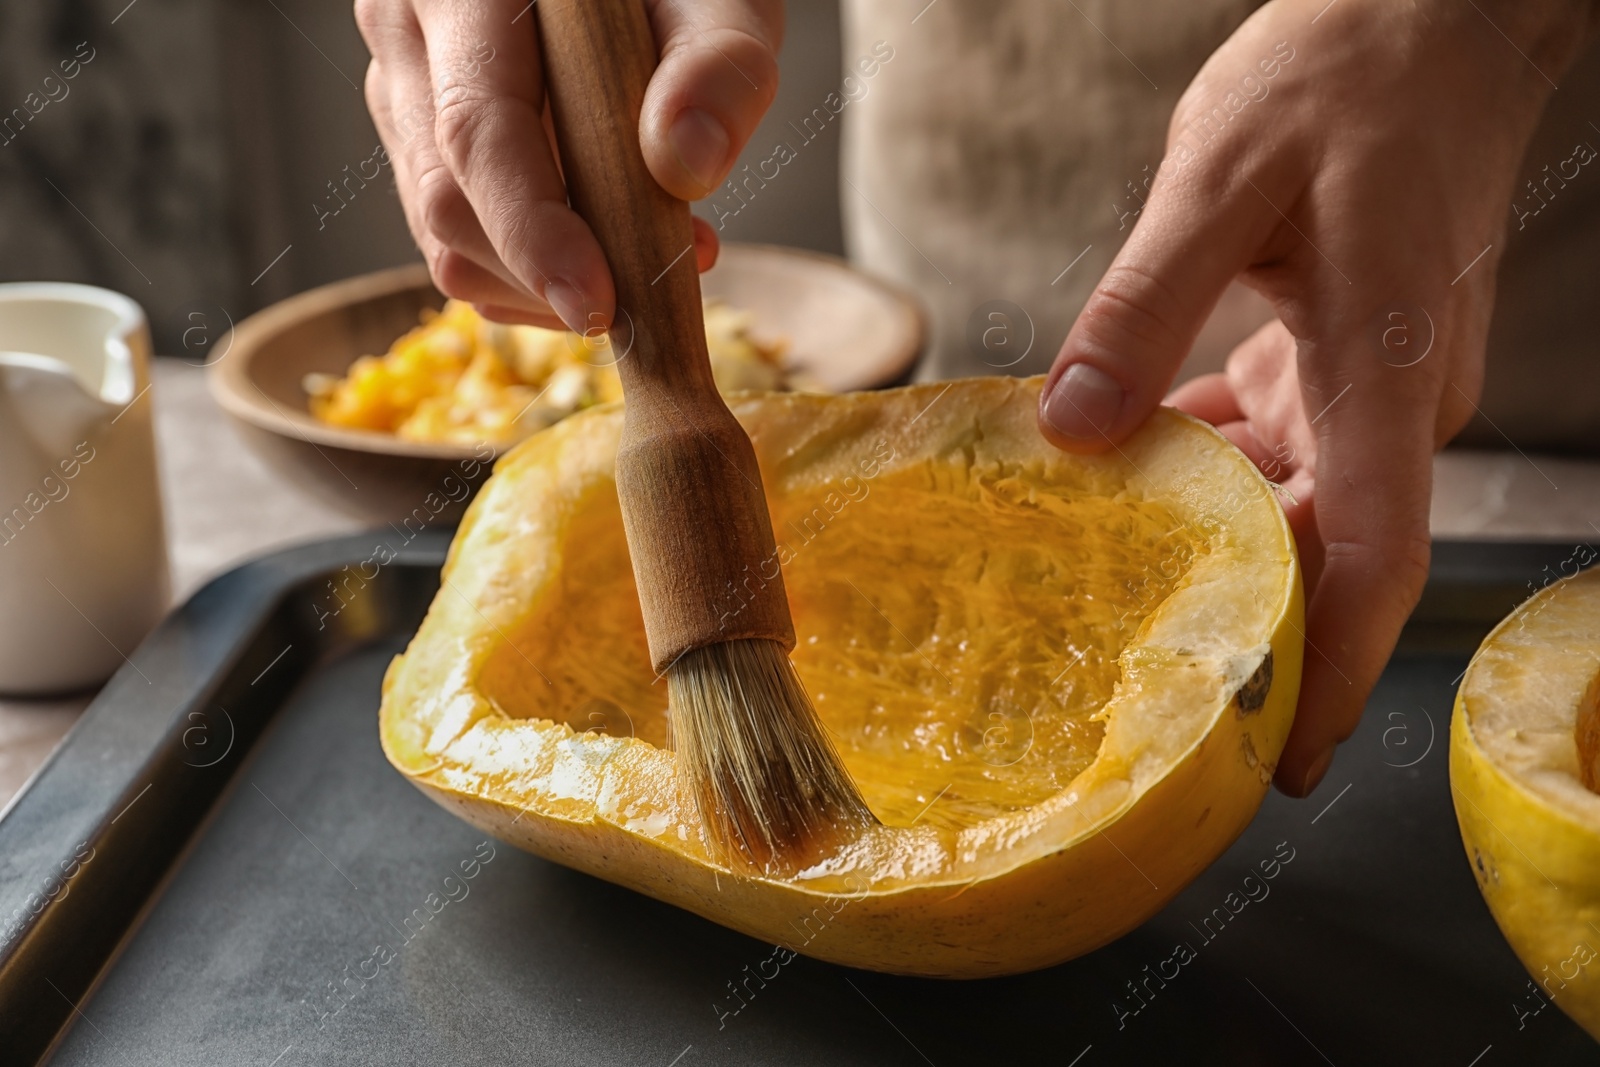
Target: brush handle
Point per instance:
(692, 502)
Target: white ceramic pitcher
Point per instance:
(83, 559)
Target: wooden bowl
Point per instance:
(845, 331)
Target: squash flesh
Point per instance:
(957, 650)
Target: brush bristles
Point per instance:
(769, 783)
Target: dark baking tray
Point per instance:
(222, 850)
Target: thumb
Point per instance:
(717, 77)
(1195, 234)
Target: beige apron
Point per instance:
(998, 165)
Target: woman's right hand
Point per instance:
(457, 92)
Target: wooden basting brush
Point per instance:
(769, 783)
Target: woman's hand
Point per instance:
(1354, 162)
(457, 92)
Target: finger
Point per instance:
(458, 277)
(1373, 482)
(1299, 499)
(706, 245)
(1244, 438)
(1196, 232)
(1293, 482)
(518, 317)
(396, 124)
(1263, 372)
(440, 219)
(717, 77)
(1295, 487)
(488, 85)
(1209, 397)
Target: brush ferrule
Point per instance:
(704, 557)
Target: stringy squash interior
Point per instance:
(1532, 692)
(958, 648)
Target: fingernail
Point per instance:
(1085, 402)
(566, 300)
(1316, 771)
(701, 145)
